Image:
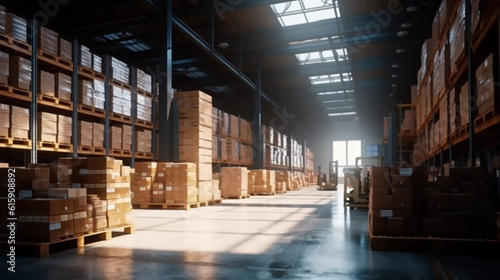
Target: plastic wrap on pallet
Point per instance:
(16, 27)
(127, 102)
(65, 50)
(144, 81)
(85, 57)
(63, 86)
(96, 63)
(20, 72)
(120, 70)
(3, 19)
(48, 40)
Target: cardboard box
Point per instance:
(39, 227)
(63, 86)
(378, 226)
(379, 177)
(438, 202)
(46, 207)
(379, 199)
(395, 226)
(48, 40)
(434, 227)
(119, 219)
(20, 72)
(65, 50)
(463, 202)
(100, 222)
(402, 199)
(16, 27)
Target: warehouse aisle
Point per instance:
(299, 235)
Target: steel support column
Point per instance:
(133, 83)
(34, 92)
(257, 122)
(392, 138)
(107, 103)
(165, 82)
(153, 114)
(471, 77)
(74, 94)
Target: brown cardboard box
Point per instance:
(378, 226)
(63, 86)
(434, 227)
(119, 219)
(463, 202)
(439, 202)
(39, 228)
(65, 49)
(380, 199)
(16, 27)
(48, 40)
(100, 222)
(102, 163)
(379, 177)
(67, 224)
(402, 199)
(234, 181)
(412, 226)
(84, 137)
(120, 205)
(401, 181)
(395, 226)
(20, 72)
(47, 207)
(83, 224)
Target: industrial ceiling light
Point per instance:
(395, 63)
(400, 48)
(407, 22)
(403, 33)
(224, 42)
(395, 75)
(394, 85)
(411, 6)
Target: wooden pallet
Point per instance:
(89, 110)
(120, 117)
(215, 201)
(280, 192)
(144, 123)
(85, 149)
(485, 117)
(17, 92)
(459, 132)
(145, 93)
(430, 243)
(14, 143)
(91, 73)
(115, 152)
(120, 84)
(99, 150)
(263, 193)
(15, 42)
(42, 249)
(144, 154)
(55, 101)
(167, 206)
(461, 63)
(55, 59)
(236, 197)
(55, 147)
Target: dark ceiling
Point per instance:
(129, 30)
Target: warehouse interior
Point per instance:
(207, 131)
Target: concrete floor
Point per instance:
(305, 234)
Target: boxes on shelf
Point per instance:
(4, 120)
(47, 83)
(98, 135)
(16, 27)
(143, 141)
(64, 129)
(63, 86)
(144, 81)
(126, 137)
(3, 19)
(485, 86)
(20, 72)
(144, 107)
(96, 63)
(85, 57)
(457, 38)
(119, 70)
(116, 138)
(84, 137)
(65, 50)
(48, 40)
(47, 127)
(19, 122)
(4, 68)
(441, 70)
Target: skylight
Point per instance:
(342, 114)
(337, 101)
(322, 56)
(331, 78)
(305, 11)
(132, 44)
(336, 92)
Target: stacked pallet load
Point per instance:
(251, 181)
(234, 182)
(182, 186)
(20, 73)
(16, 27)
(264, 182)
(91, 96)
(195, 137)
(4, 68)
(285, 178)
(408, 124)
(485, 87)
(106, 178)
(404, 204)
(143, 144)
(121, 102)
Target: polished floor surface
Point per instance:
(304, 234)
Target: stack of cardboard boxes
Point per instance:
(19, 122)
(121, 100)
(64, 129)
(285, 178)
(119, 70)
(107, 179)
(4, 68)
(91, 93)
(63, 86)
(20, 72)
(485, 86)
(181, 185)
(4, 120)
(48, 40)
(47, 127)
(264, 182)
(144, 107)
(116, 138)
(403, 203)
(65, 50)
(143, 141)
(234, 182)
(16, 27)
(195, 137)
